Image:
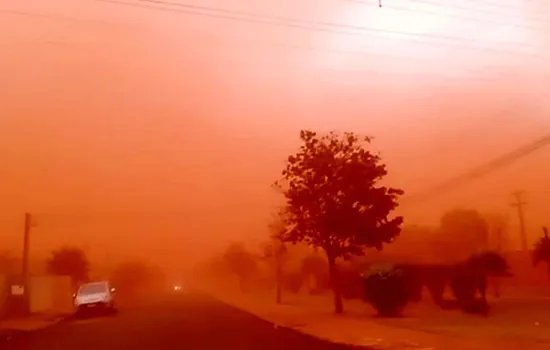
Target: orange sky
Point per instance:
(131, 130)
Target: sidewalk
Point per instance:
(357, 326)
(31, 323)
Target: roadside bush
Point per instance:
(386, 290)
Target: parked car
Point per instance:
(95, 296)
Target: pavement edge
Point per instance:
(295, 329)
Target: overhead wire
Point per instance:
(541, 16)
(482, 70)
(54, 17)
(469, 175)
(277, 44)
(336, 28)
(319, 23)
(273, 17)
(393, 6)
(483, 169)
(274, 44)
(476, 5)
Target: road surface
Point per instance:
(182, 321)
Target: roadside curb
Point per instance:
(290, 328)
(9, 334)
(25, 325)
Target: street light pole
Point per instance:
(25, 262)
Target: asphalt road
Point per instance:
(190, 321)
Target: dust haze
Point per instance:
(155, 131)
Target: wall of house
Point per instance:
(50, 294)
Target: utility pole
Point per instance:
(520, 204)
(25, 262)
(498, 234)
(26, 238)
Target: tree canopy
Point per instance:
(334, 197)
(541, 251)
(334, 200)
(275, 247)
(241, 262)
(69, 261)
(462, 233)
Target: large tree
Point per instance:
(240, 262)
(69, 261)
(276, 250)
(541, 251)
(335, 201)
(462, 233)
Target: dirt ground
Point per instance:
(525, 319)
(517, 320)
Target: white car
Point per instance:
(95, 296)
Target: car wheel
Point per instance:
(111, 309)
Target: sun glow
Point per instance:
(418, 36)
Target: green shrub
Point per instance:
(386, 290)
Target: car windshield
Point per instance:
(93, 288)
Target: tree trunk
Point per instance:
(334, 274)
(278, 278)
(496, 284)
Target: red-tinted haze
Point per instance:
(137, 131)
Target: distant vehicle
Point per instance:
(177, 288)
(99, 296)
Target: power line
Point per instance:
(476, 6)
(308, 22)
(367, 54)
(482, 69)
(485, 168)
(256, 15)
(56, 17)
(330, 27)
(453, 15)
(168, 9)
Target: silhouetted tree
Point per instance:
(541, 251)
(462, 232)
(415, 243)
(240, 262)
(334, 199)
(69, 261)
(499, 239)
(212, 268)
(276, 249)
